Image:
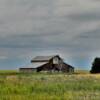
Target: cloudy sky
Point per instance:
(28, 28)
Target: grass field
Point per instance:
(15, 86)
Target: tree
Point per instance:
(95, 66)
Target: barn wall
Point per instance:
(27, 70)
(56, 67)
(67, 68)
(46, 67)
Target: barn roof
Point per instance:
(42, 58)
(34, 65)
(68, 65)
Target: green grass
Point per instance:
(49, 86)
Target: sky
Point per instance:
(29, 28)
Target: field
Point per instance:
(47, 86)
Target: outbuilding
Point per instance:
(48, 63)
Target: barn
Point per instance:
(48, 63)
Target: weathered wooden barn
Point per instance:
(48, 63)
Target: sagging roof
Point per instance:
(35, 65)
(42, 58)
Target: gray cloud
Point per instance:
(35, 27)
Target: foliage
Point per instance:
(95, 66)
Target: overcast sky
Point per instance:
(70, 28)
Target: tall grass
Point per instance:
(49, 87)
